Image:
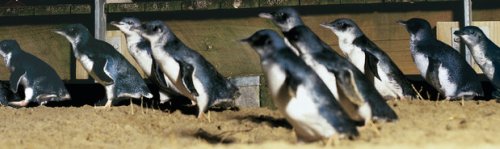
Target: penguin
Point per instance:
(299, 94)
(140, 49)
(189, 71)
(285, 18)
(40, 81)
(484, 52)
(7, 95)
(360, 98)
(105, 65)
(388, 79)
(439, 64)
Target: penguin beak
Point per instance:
(59, 31)
(326, 25)
(266, 15)
(401, 22)
(114, 23)
(246, 40)
(458, 33)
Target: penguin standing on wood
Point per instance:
(140, 49)
(389, 81)
(108, 67)
(439, 64)
(41, 82)
(189, 71)
(485, 53)
(299, 93)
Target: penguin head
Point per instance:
(343, 28)
(126, 25)
(265, 42)
(285, 18)
(303, 38)
(154, 31)
(416, 26)
(7, 47)
(470, 34)
(75, 33)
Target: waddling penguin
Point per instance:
(7, 95)
(388, 79)
(190, 72)
(108, 67)
(440, 64)
(299, 93)
(140, 49)
(285, 19)
(41, 83)
(359, 96)
(485, 53)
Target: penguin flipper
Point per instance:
(15, 79)
(372, 62)
(98, 70)
(158, 78)
(349, 88)
(432, 74)
(186, 73)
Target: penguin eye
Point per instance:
(267, 42)
(157, 29)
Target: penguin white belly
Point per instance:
(276, 78)
(357, 57)
(310, 124)
(386, 85)
(483, 62)
(422, 63)
(447, 86)
(327, 77)
(143, 59)
(295, 50)
(86, 62)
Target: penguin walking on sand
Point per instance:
(388, 79)
(189, 71)
(485, 53)
(299, 93)
(439, 64)
(108, 67)
(40, 81)
(359, 97)
(140, 49)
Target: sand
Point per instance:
(422, 124)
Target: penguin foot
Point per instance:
(22, 103)
(333, 140)
(105, 107)
(370, 125)
(203, 116)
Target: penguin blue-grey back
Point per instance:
(485, 52)
(105, 65)
(298, 92)
(40, 81)
(439, 64)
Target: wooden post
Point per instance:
(467, 22)
(99, 20)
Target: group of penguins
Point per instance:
(323, 95)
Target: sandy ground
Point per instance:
(423, 124)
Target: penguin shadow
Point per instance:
(211, 138)
(266, 120)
